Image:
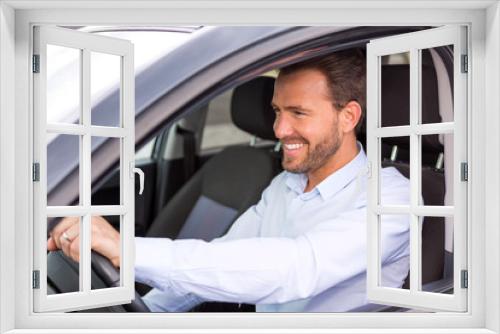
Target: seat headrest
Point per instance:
(396, 101)
(251, 109)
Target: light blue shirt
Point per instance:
(291, 252)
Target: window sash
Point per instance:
(86, 297)
(413, 42)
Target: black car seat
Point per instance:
(395, 111)
(231, 181)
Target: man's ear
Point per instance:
(350, 115)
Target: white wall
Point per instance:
(491, 171)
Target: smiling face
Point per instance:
(306, 121)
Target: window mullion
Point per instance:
(419, 129)
(373, 148)
(86, 178)
(415, 237)
(127, 118)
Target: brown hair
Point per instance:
(346, 75)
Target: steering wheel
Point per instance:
(59, 267)
(111, 277)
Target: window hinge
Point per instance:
(464, 279)
(36, 172)
(465, 65)
(36, 63)
(36, 279)
(464, 171)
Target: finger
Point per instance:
(65, 246)
(74, 249)
(105, 240)
(63, 225)
(104, 235)
(51, 244)
(72, 232)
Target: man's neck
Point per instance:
(347, 151)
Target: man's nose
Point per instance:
(282, 126)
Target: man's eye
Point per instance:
(298, 113)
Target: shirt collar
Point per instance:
(334, 182)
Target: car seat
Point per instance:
(231, 181)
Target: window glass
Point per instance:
(437, 254)
(395, 89)
(63, 158)
(434, 80)
(395, 158)
(63, 84)
(105, 90)
(97, 280)
(112, 193)
(394, 261)
(434, 171)
(62, 272)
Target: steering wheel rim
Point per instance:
(101, 267)
(111, 277)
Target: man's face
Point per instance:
(306, 121)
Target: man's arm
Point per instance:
(269, 270)
(172, 300)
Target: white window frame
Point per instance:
(413, 43)
(483, 17)
(85, 43)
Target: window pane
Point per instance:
(436, 85)
(63, 169)
(395, 157)
(63, 84)
(63, 274)
(395, 90)
(106, 187)
(437, 254)
(394, 259)
(112, 279)
(105, 78)
(437, 177)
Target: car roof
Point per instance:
(207, 46)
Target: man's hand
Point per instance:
(104, 239)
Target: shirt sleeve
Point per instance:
(165, 299)
(265, 270)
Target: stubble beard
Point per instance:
(317, 156)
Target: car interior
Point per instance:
(196, 192)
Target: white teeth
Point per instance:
(293, 146)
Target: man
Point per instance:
(302, 247)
